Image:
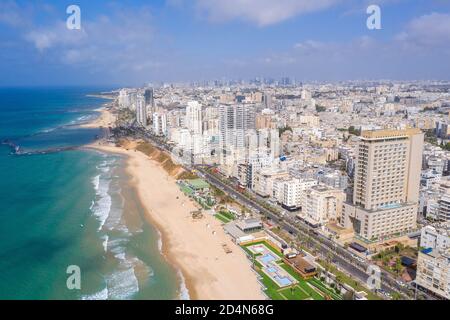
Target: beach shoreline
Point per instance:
(106, 119)
(194, 248)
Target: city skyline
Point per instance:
(135, 42)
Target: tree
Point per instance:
(320, 108)
(349, 295)
(283, 130)
(354, 131)
(396, 296)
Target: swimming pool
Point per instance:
(282, 281)
(272, 269)
(268, 258)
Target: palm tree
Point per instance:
(396, 296)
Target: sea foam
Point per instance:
(183, 290)
(103, 202)
(101, 295)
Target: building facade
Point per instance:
(386, 183)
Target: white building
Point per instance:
(141, 110)
(322, 204)
(159, 125)
(194, 117)
(435, 238)
(289, 191)
(433, 264)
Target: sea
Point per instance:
(71, 224)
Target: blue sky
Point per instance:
(131, 42)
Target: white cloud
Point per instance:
(12, 15)
(260, 12)
(420, 50)
(123, 42)
(431, 30)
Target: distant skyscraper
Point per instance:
(141, 110)
(268, 100)
(386, 184)
(149, 98)
(194, 117)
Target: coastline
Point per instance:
(193, 247)
(106, 118)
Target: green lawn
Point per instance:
(227, 214)
(295, 293)
(314, 282)
(222, 218)
(351, 282)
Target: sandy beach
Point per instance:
(195, 247)
(105, 120)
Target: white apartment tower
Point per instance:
(194, 117)
(141, 110)
(386, 183)
(234, 121)
(159, 124)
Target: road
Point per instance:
(341, 257)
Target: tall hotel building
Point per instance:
(386, 184)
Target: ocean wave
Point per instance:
(118, 245)
(183, 290)
(101, 295)
(105, 239)
(160, 242)
(96, 182)
(103, 203)
(123, 284)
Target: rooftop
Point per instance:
(387, 133)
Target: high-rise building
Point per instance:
(141, 110)
(149, 99)
(194, 117)
(124, 99)
(386, 183)
(159, 124)
(267, 100)
(234, 121)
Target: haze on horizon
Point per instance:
(132, 42)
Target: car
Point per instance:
(400, 283)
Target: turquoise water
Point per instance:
(75, 207)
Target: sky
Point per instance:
(133, 42)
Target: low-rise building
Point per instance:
(322, 204)
(433, 265)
